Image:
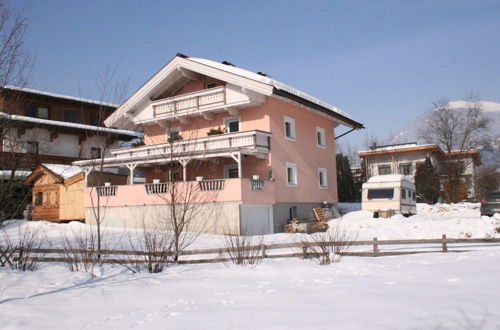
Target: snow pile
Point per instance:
(431, 221)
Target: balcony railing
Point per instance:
(190, 103)
(258, 141)
(156, 188)
(210, 185)
(106, 191)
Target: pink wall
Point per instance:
(303, 151)
(235, 190)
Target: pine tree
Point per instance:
(427, 182)
(345, 182)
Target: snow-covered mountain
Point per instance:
(410, 132)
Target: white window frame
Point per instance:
(228, 120)
(172, 129)
(291, 121)
(323, 171)
(293, 166)
(227, 168)
(322, 134)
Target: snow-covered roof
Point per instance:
(400, 146)
(70, 125)
(259, 83)
(389, 178)
(266, 80)
(65, 171)
(6, 174)
(60, 96)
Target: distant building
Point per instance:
(404, 158)
(39, 127)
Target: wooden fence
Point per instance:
(264, 251)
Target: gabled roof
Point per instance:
(59, 171)
(38, 122)
(59, 96)
(226, 72)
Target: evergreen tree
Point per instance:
(427, 182)
(345, 182)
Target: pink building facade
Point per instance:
(258, 151)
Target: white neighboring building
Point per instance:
(403, 159)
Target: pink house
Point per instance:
(259, 152)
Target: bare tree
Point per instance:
(328, 247)
(15, 68)
(113, 91)
(487, 179)
(455, 132)
(188, 204)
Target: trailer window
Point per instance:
(403, 193)
(381, 193)
(413, 195)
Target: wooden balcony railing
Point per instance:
(190, 103)
(258, 140)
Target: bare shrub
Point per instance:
(81, 249)
(153, 250)
(327, 247)
(23, 251)
(244, 250)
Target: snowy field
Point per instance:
(425, 291)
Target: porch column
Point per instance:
(237, 158)
(87, 172)
(131, 168)
(184, 163)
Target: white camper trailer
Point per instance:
(386, 195)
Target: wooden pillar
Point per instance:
(237, 158)
(131, 168)
(87, 172)
(184, 163)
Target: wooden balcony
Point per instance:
(255, 142)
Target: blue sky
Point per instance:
(384, 62)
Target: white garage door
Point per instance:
(256, 219)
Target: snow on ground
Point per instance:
(427, 291)
(424, 291)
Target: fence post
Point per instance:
(263, 250)
(445, 247)
(375, 246)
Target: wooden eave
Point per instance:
(433, 148)
(38, 172)
(74, 179)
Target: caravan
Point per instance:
(386, 195)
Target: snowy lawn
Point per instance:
(425, 291)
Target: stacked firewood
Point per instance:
(308, 225)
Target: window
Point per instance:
(320, 137)
(403, 193)
(384, 169)
(210, 85)
(387, 193)
(72, 116)
(94, 119)
(38, 198)
(32, 147)
(322, 177)
(95, 152)
(230, 171)
(413, 195)
(291, 174)
(232, 124)
(37, 112)
(173, 133)
(405, 169)
(289, 128)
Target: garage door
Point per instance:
(256, 219)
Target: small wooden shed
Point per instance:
(57, 191)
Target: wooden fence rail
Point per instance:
(113, 256)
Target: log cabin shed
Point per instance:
(57, 191)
